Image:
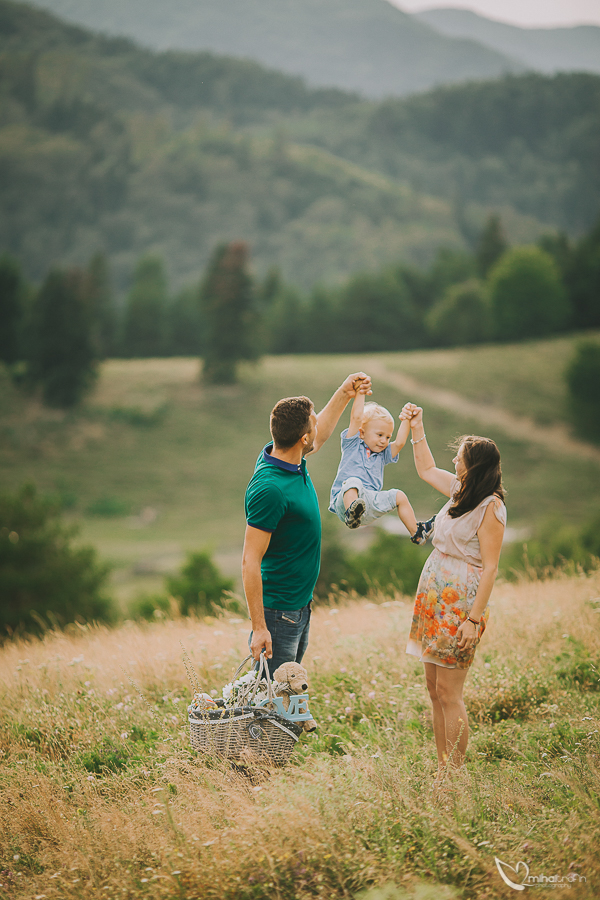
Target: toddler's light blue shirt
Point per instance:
(359, 462)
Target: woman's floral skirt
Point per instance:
(445, 595)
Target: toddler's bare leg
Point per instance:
(405, 511)
(350, 496)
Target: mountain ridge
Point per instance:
(368, 46)
(548, 50)
(106, 146)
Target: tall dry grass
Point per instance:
(101, 796)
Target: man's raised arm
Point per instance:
(329, 416)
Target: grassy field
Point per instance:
(155, 463)
(527, 379)
(100, 795)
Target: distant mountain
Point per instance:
(545, 49)
(108, 146)
(368, 46)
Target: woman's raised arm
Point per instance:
(440, 479)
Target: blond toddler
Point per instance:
(357, 497)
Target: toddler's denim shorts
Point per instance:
(378, 503)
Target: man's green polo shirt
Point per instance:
(281, 499)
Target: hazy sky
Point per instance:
(519, 12)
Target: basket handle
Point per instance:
(241, 666)
(263, 668)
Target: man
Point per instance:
(282, 547)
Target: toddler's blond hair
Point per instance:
(375, 411)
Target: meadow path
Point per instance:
(555, 438)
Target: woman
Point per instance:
(451, 608)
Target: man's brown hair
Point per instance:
(290, 420)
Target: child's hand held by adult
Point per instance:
(416, 418)
(357, 383)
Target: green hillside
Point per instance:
(529, 143)
(544, 49)
(156, 463)
(106, 146)
(368, 46)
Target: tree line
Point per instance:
(53, 335)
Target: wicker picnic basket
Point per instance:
(245, 734)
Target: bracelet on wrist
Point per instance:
(418, 441)
(469, 619)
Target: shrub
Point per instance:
(462, 316)
(108, 507)
(554, 546)
(576, 668)
(41, 573)
(200, 586)
(590, 537)
(527, 295)
(152, 607)
(583, 383)
(389, 565)
(495, 695)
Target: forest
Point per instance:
(107, 147)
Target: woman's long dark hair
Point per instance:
(483, 474)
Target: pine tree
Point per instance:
(491, 244)
(102, 306)
(60, 350)
(43, 573)
(229, 313)
(11, 309)
(144, 332)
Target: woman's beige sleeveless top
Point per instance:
(458, 537)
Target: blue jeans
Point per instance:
(289, 632)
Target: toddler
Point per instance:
(357, 497)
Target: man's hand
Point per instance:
(261, 640)
(357, 383)
(256, 543)
(327, 419)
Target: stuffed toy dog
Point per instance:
(292, 678)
